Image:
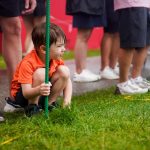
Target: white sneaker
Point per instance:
(1, 117)
(137, 89)
(86, 76)
(129, 88)
(108, 73)
(124, 88)
(141, 82)
(11, 106)
(148, 52)
(116, 70)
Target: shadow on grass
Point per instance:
(12, 117)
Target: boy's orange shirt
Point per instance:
(27, 67)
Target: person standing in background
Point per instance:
(110, 44)
(11, 31)
(86, 14)
(134, 30)
(31, 20)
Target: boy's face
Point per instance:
(57, 49)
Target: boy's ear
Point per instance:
(43, 49)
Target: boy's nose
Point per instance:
(63, 49)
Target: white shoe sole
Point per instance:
(2, 119)
(86, 80)
(9, 108)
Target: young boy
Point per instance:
(28, 88)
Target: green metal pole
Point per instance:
(47, 51)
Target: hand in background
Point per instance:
(30, 5)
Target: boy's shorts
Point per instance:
(10, 8)
(20, 99)
(23, 102)
(112, 25)
(134, 27)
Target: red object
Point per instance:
(58, 16)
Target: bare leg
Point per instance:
(11, 43)
(67, 93)
(138, 61)
(38, 79)
(61, 83)
(125, 59)
(105, 50)
(30, 22)
(81, 48)
(38, 20)
(114, 50)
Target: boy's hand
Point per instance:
(66, 104)
(45, 89)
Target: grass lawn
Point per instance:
(2, 63)
(97, 121)
(90, 53)
(67, 56)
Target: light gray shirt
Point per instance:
(120, 4)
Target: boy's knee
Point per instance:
(39, 75)
(64, 72)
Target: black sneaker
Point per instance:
(117, 91)
(1, 117)
(50, 107)
(11, 105)
(32, 109)
(53, 106)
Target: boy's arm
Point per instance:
(30, 92)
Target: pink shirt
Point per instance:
(119, 4)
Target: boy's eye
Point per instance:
(61, 45)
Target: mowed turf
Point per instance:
(98, 120)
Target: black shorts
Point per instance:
(134, 27)
(20, 99)
(10, 8)
(40, 9)
(85, 21)
(23, 102)
(112, 22)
